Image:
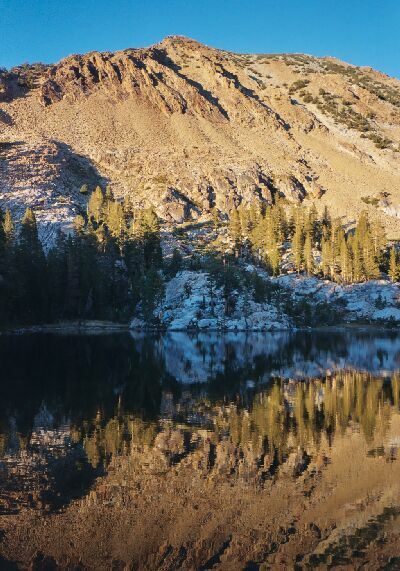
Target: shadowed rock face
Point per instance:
(186, 127)
(44, 175)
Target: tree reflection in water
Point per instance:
(142, 424)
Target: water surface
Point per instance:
(207, 451)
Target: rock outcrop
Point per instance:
(193, 302)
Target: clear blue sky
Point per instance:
(363, 32)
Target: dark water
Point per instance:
(71, 405)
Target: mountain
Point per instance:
(186, 127)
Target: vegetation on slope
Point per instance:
(112, 266)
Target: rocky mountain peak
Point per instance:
(187, 128)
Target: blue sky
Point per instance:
(363, 32)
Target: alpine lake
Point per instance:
(207, 451)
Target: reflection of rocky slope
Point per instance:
(199, 476)
(201, 357)
(44, 471)
(188, 127)
(307, 473)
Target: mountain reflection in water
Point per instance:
(223, 451)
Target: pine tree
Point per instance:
(57, 276)
(346, 267)
(357, 255)
(394, 268)
(152, 289)
(235, 229)
(254, 216)
(257, 237)
(298, 242)
(326, 256)
(3, 241)
(31, 271)
(371, 267)
(109, 195)
(337, 236)
(146, 231)
(115, 221)
(326, 220)
(308, 253)
(274, 257)
(79, 224)
(314, 224)
(8, 283)
(368, 246)
(3, 266)
(95, 206)
(8, 226)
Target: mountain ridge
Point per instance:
(188, 128)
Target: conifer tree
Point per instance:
(95, 206)
(254, 216)
(371, 267)
(3, 241)
(152, 291)
(57, 276)
(258, 237)
(394, 268)
(358, 262)
(31, 270)
(314, 223)
(274, 257)
(337, 236)
(3, 262)
(115, 221)
(235, 228)
(109, 195)
(79, 225)
(326, 220)
(8, 268)
(9, 228)
(326, 257)
(308, 253)
(146, 230)
(298, 242)
(346, 267)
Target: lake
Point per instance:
(208, 451)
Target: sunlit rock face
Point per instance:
(186, 128)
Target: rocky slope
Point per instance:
(187, 127)
(192, 301)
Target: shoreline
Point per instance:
(89, 326)
(98, 327)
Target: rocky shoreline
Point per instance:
(193, 303)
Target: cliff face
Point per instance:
(186, 128)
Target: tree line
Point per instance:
(110, 264)
(317, 245)
(105, 267)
